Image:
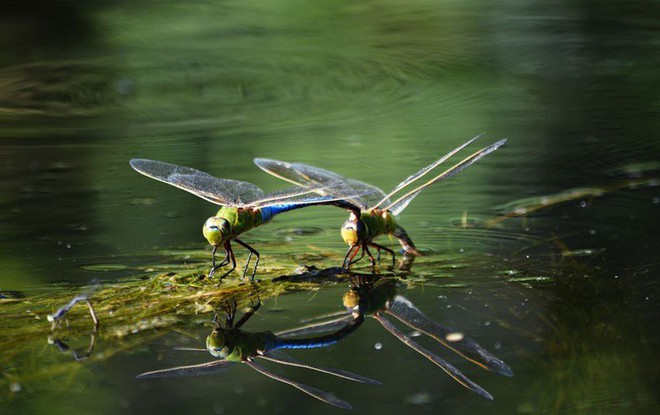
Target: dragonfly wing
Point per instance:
(284, 359)
(209, 368)
(297, 173)
(421, 173)
(402, 202)
(443, 364)
(310, 390)
(371, 195)
(407, 313)
(213, 189)
(359, 193)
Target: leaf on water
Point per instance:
(583, 252)
(104, 267)
(531, 279)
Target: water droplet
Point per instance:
(583, 204)
(378, 346)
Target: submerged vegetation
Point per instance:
(131, 312)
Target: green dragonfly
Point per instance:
(377, 297)
(230, 345)
(244, 206)
(372, 212)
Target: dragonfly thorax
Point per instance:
(216, 230)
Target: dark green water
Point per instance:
(567, 295)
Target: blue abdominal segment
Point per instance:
(267, 212)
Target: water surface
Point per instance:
(544, 252)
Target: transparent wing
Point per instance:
(209, 368)
(284, 359)
(443, 364)
(313, 177)
(407, 313)
(402, 202)
(310, 390)
(414, 177)
(219, 191)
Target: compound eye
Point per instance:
(215, 229)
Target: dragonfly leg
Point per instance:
(256, 262)
(386, 249)
(230, 256)
(220, 265)
(365, 248)
(350, 254)
(253, 309)
(359, 258)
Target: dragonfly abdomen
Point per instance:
(320, 341)
(405, 241)
(268, 212)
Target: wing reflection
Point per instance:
(377, 297)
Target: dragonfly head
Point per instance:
(352, 299)
(216, 230)
(354, 230)
(220, 343)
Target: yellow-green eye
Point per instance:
(216, 230)
(354, 232)
(219, 345)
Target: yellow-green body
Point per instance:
(372, 223)
(378, 222)
(230, 222)
(235, 345)
(240, 219)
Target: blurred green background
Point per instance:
(373, 90)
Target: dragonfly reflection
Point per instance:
(232, 345)
(377, 297)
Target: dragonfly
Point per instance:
(243, 205)
(378, 298)
(231, 345)
(372, 212)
